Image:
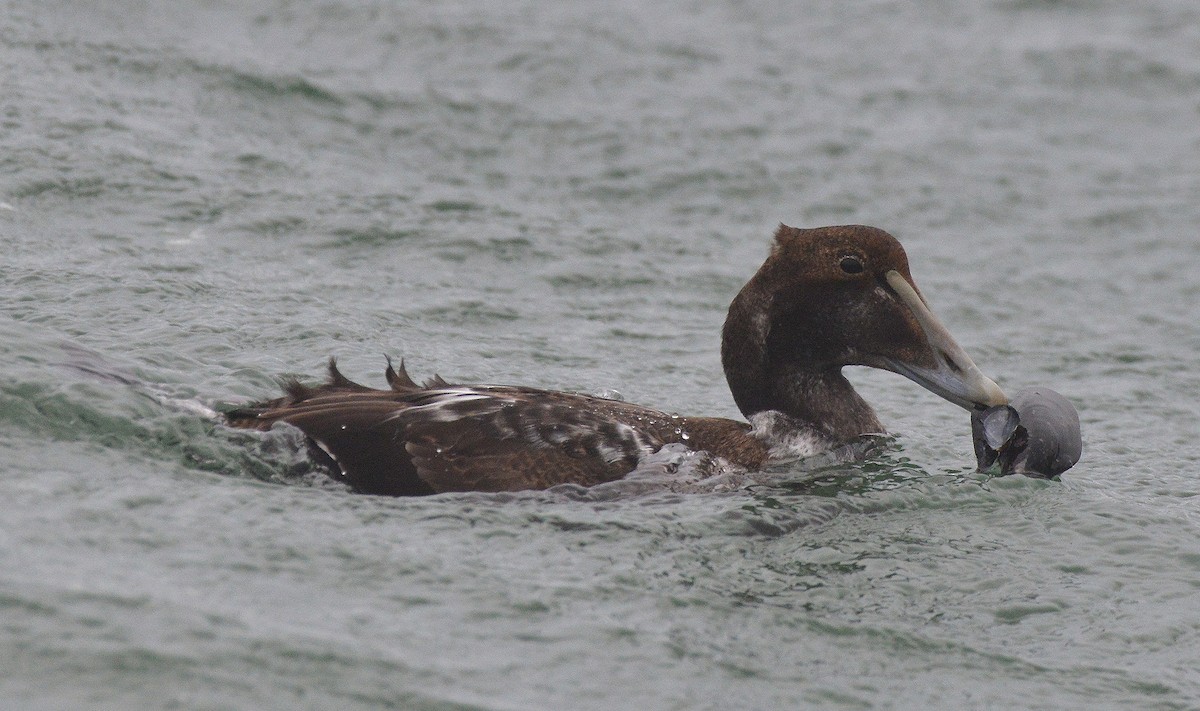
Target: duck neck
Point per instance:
(813, 396)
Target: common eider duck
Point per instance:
(824, 298)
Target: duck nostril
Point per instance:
(950, 362)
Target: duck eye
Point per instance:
(851, 265)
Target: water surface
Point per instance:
(200, 199)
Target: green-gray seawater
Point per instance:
(198, 199)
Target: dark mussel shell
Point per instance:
(1036, 434)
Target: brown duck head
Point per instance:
(830, 297)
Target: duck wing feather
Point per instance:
(426, 439)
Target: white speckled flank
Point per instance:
(787, 438)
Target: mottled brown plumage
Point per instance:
(491, 438)
(824, 299)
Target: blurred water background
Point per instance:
(199, 198)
